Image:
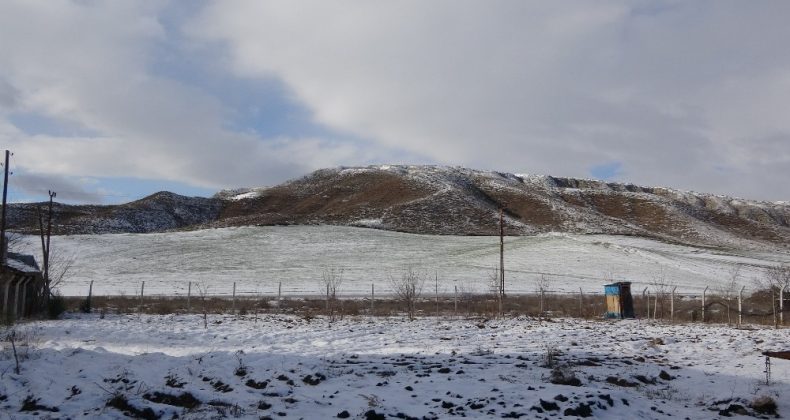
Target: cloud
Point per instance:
(673, 92)
(38, 185)
(214, 95)
(8, 95)
(90, 65)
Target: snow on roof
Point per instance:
(22, 263)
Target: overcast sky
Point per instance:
(110, 101)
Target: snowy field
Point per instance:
(289, 367)
(258, 259)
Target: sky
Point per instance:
(107, 102)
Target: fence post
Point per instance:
(740, 305)
(372, 297)
(773, 306)
(455, 302)
(648, 302)
(279, 290)
(672, 305)
(581, 303)
(90, 295)
(189, 296)
(233, 302)
(142, 291)
(541, 300)
(781, 305)
(436, 294)
(655, 306)
(703, 303)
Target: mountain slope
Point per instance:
(442, 200)
(155, 213)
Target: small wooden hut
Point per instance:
(21, 285)
(619, 303)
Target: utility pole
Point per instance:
(3, 243)
(502, 252)
(45, 241)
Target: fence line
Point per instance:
(652, 303)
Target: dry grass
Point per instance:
(757, 308)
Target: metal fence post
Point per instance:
(672, 305)
(655, 306)
(581, 303)
(189, 296)
(142, 291)
(233, 303)
(436, 295)
(279, 290)
(90, 295)
(372, 297)
(781, 305)
(703, 303)
(740, 306)
(455, 302)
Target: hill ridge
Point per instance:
(447, 200)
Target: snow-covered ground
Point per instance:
(298, 368)
(259, 258)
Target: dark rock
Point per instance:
(549, 406)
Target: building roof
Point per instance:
(22, 263)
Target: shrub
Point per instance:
(85, 306)
(57, 305)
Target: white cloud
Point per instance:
(686, 94)
(88, 63)
(674, 92)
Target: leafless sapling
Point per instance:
(202, 289)
(729, 290)
(662, 286)
(542, 286)
(331, 279)
(495, 286)
(407, 289)
(775, 278)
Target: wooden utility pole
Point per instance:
(45, 241)
(3, 243)
(502, 252)
(52, 195)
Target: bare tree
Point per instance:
(662, 287)
(60, 264)
(775, 279)
(331, 279)
(466, 292)
(729, 290)
(408, 288)
(202, 289)
(495, 286)
(542, 285)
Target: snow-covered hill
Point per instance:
(448, 201)
(258, 259)
(156, 213)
